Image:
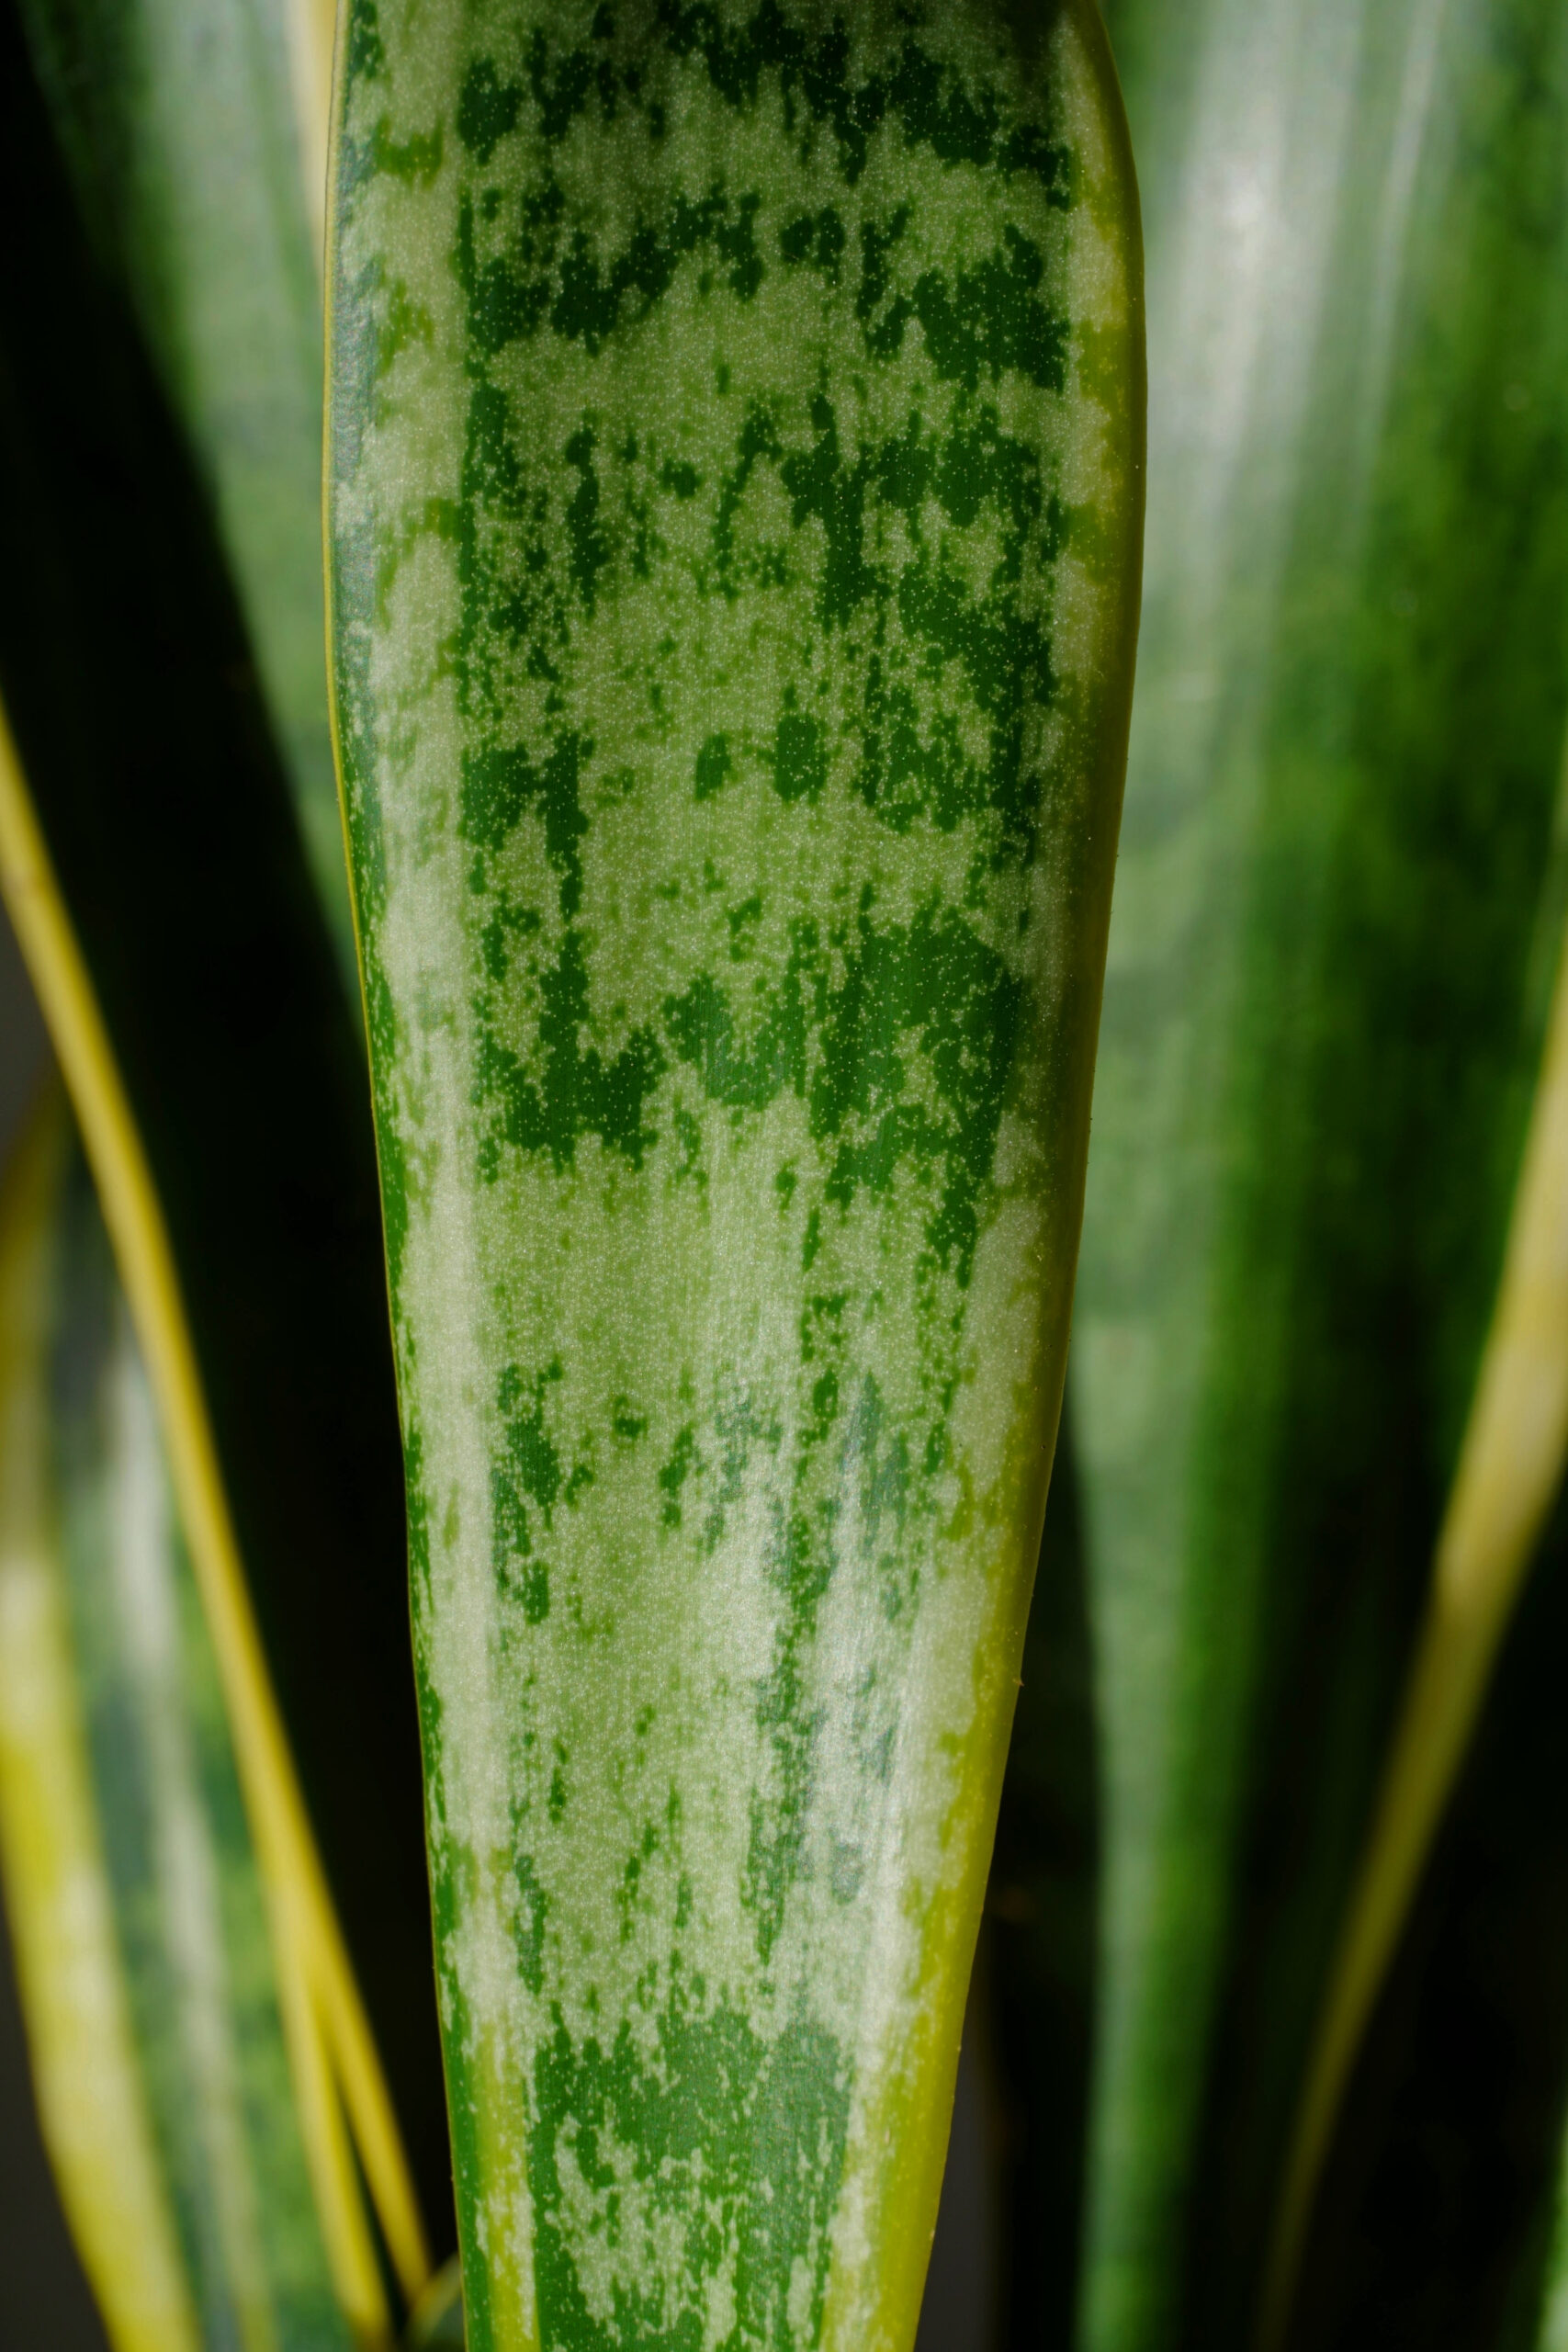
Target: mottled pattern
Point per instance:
(732, 530)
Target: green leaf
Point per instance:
(1337, 922)
(188, 976)
(735, 432)
(138, 1909)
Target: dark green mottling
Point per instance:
(933, 982)
(714, 2111)
(498, 786)
(487, 108)
(578, 1092)
(671, 1000)
(530, 1471)
(529, 1931)
(365, 58)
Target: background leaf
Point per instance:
(1338, 909)
(182, 130)
(130, 1713)
(125, 674)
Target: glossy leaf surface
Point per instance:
(735, 460)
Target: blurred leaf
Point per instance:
(204, 959)
(138, 1909)
(1335, 927)
(1510, 1467)
(91, 2101)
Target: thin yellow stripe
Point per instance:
(1510, 1466)
(312, 1958)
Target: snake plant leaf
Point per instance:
(1336, 922)
(181, 124)
(164, 815)
(130, 1876)
(735, 427)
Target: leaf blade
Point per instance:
(553, 1032)
(1331, 919)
